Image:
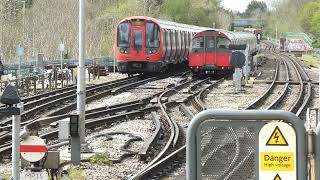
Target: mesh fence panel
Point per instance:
(228, 153)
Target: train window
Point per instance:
(152, 35)
(222, 43)
(137, 39)
(197, 44)
(124, 35)
(164, 41)
(168, 41)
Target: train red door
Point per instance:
(210, 58)
(222, 52)
(138, 52)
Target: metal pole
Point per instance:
(246, 72)
(24, 21)
(61, 59)
(276, 31)
(16, 145)
(114, 59)
(81, 86)
(317, 155)
(20, 61)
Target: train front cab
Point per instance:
(138, 46)
(210, 53)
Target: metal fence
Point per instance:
(28, 67)
(224, 144)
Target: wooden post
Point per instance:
(98, 72)
(62, 76)
(72, 75)
(42, 82)
(89, 72)
(50, 80)
(55, 78)
(27, 84)
(67, 77)
(21, 85)
(34, 85)
(94, 72)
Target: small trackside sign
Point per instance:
(33, 149)
(277, 152)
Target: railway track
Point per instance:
(37, 104)
(173, 154)
(186, 98)
(94, 117)
(175, 159)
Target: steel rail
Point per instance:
(92, 123)
(264, 96)
(304, 97)
(284, 91)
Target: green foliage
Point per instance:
(310, 20)
(255, 7)
(178, 10)
(100, 159)
(76, 174)
(196, 12)
(5, 176)
(311, 59)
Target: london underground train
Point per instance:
(148, 45)
(211, 50)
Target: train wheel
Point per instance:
(130, 75)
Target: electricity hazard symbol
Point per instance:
(277, 177)
(277, 138)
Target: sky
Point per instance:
(239, 5)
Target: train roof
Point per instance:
(169, 24)
(233, 36)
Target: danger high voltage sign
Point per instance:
(277, 151)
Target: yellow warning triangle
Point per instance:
(277, 177)
(277, 138)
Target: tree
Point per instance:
(310, 20)
(255, 8)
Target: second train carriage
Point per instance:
(257, 32)
(210, 52)
(145, 44)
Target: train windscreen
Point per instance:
(222, 44)
(124, 35)
(152, 35)
(197, 44)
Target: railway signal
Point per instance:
(237, 60)
(10, 97)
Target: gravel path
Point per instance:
(225, 97)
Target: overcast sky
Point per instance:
(240, 5)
